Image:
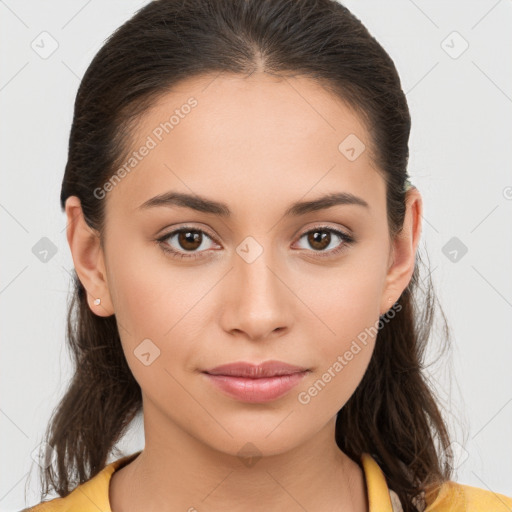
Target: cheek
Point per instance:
(151, 294)
(159, 309)
(346, 305)
(345, 301)
(342, 358)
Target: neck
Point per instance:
(179, 472)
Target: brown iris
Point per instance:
(318, 239)
(190, 239)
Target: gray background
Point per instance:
(461, 151)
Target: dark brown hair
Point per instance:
(393, 414)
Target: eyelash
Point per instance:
(347, 240)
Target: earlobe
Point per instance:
(404, 249)
(87, 253)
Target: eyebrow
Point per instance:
(205, 205)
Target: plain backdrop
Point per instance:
(454, 59)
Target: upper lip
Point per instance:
(255, 371)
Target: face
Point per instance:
(251, 280)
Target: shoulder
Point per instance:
(73, 502)
(454, 497)
(450, 496)
(55, 505)
(90, 496)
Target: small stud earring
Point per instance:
(97, 302)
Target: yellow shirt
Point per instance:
(93, 495)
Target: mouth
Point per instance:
(248, 382)
(256, 371)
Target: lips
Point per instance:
(258, 383)
(256, 371)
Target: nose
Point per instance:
(258, 301)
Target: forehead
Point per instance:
(247, 141)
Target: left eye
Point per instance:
(320, 238)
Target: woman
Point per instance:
(244, 237)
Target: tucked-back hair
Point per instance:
(393, 414)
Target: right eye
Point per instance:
(190, 239)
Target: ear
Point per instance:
(403, 251)
(88, 258)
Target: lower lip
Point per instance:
(256, 390)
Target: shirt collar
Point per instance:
(377, 489)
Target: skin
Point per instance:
(258, 144)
